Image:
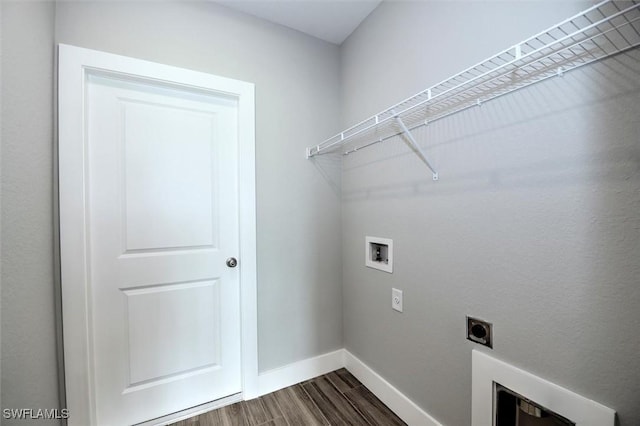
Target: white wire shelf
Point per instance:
(606, 29)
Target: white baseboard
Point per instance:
(406, 409)
(279, 378)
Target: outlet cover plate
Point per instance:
(396, 299)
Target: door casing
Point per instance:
(74, 64)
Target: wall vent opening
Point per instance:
(512, 409)
(524, 399)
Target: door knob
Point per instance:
(232, 262)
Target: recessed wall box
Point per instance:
(379, 253)
(480, 331)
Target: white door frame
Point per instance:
(74, 65)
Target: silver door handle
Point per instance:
(232, 262)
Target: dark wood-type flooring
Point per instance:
(334, 399)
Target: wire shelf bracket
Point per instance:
(406, 132)
(605, 29)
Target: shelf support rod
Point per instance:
(415, 146)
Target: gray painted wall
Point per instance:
(298, 210)
(0, 208)
(29, 378)
(533, 225)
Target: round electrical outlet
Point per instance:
(479, 331)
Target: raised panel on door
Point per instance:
(184, 326)
(163, 217)
(169, 184)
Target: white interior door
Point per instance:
(161, 218)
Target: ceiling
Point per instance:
(329, 20)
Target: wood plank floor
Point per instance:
(334, 399)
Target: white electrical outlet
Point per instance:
(396, 299)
